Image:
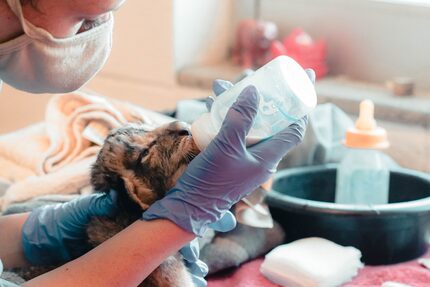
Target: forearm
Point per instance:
(124, 260)
(11, 252)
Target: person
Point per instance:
(56, 46)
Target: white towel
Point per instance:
(311, 262)
(67, 180)
(67, 116)
(24, 150)
(53, 157)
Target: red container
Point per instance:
(302, 48)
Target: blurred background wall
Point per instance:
(368, 40)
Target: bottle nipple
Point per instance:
(366, 133)
(366, 120)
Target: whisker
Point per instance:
(190, 156)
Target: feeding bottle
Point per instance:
(286, 95)
(363, 175)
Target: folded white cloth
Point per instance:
(311, 262)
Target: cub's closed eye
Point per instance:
(142, 154)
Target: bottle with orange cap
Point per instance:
(363, 175)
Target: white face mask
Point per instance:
(38, 62)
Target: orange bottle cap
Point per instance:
(366, 134)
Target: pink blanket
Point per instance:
(410, 273)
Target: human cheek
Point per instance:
(55, 20)
(91, 9)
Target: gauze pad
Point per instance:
(311, 262)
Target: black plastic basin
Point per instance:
(302, 201)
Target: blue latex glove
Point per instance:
(226, 170)
(197, 268)
(56, 234)
(222, 174)
(191, 252)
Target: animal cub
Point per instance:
(142, 165)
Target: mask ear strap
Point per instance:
(29, 29)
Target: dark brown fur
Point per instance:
(141, 166)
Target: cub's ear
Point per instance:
(138, 191)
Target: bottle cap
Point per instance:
(203, 131)
(366, 134)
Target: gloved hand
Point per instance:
(197, 268)
(56, 234)
(191, 252)
(286, 139)
(226, 170)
